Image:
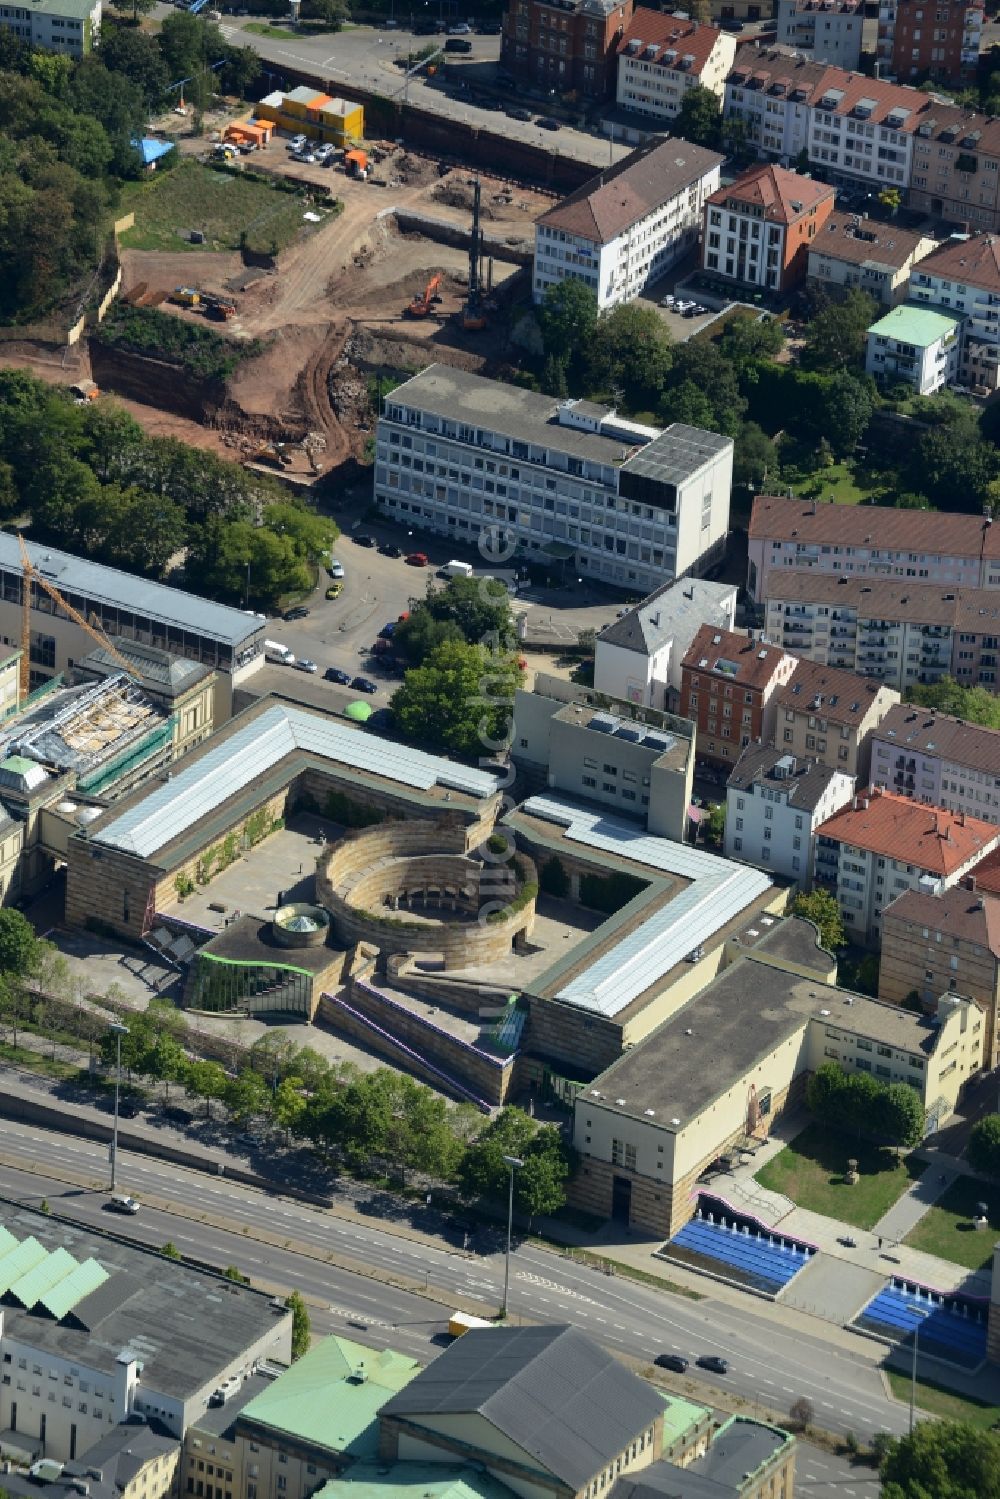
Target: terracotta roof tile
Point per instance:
(975, 261)
(850, 93)
(955, 913)
(784, 196)
(749, 663)
(974, 610)
(844, 696)
(865, 242)
(612, 202)
(970, 744)
(667, 33)
(775, 517)
(988, 873)
(928, 837)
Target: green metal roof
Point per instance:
(331, 1397)
(7, 1241)
(919, 326)
(63, 1297)
(679, 1416)
(42, 1277)
(415, 1481)
(17, 1262)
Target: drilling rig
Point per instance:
(473, 315)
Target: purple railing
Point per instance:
(449, 1081)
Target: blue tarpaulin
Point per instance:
(151, 149)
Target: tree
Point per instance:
(415, 638)
(170, 1251)
(19, 947)
(629, 356)
(890, 198)
(747, 341)
(333, 12)
(702, 369)
(820, 907)
(289, 1103)
(953, 465)
(973, 704)
(699, 118)
(716, 825)
(801, 1412)
(901, 1115)
(166, 1062)
(300, 1324)
(835, 339)
(942, 1460)
(459, 701)
(756, 459)
(568, 317)
(539, 1185)
(247, 1095)
(207, 1080)
(480, 607)
(983, 1150)
(137, 56)
(233, 1273)
(850, 403)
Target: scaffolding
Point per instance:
(103, 720)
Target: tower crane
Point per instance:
(31, 574)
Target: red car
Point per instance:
(417, 559)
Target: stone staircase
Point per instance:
(748, 1196)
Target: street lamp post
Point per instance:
(513, 1162)
(913, 1367)
(119, 1031)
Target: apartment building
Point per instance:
(858, 254)
(638, 656)
(774, 804)
(932, 757)
(758, 231)
(869, 540)
(568, 483)
(661, 56)
(956, 167)
(882, 844)
(938, 39)
(916, 346)
(68, 26)
(625, 228)
(729, 683)
(898, 633)
(828, 714)
(951, 941)
(569, 47)
(827, 30)
(964, 277)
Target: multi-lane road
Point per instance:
(772, 1360)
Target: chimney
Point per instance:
(961, 819)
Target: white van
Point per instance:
(275, 651)
(456, 570)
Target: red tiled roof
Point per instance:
(864, 241)
(635, 187)
(988, 873)
(784, 196)
(754, 661)
(932, 839)
(654, 28)
(777, 518)
(844, 697)
(974, 261)
(855, 91)
(961, 912)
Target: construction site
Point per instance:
(398, 261)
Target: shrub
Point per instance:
(609, 892)
(553, 878)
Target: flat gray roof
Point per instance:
(120, 590)
(707, 1045)
(454, 395)
(184, 1325)
(677, 454)
(233, 761)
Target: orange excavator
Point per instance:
(421, 306)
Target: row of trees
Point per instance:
(91, 480)
(380, 1121)
(858, 1103)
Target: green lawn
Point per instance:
(811, 1172)
(222, 206)
(938, 1401)
(305, 28)
(945, 1229)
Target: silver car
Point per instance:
(303, 664)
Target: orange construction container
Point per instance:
(355, 162)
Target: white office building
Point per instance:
(775, 801)
(963, 276)
(68, 26)
(567, 483)
(638, 657)
(624, 229)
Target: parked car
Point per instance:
(713, 1362)
(335, 568)
(299, 612)
(388, 631)
(459, 28)
(417, 559)
(426, 28)
(364, 684)
(336, 674)
(671, 1361)
(518, 112)
(457, 44)
(668, 300)
(297, 142)
(129, 1106)
(304, 156)
(364, 541)
(390, 549)
(548, 123)
(304, 664)
(489, 28)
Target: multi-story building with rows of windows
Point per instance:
(565, 482)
